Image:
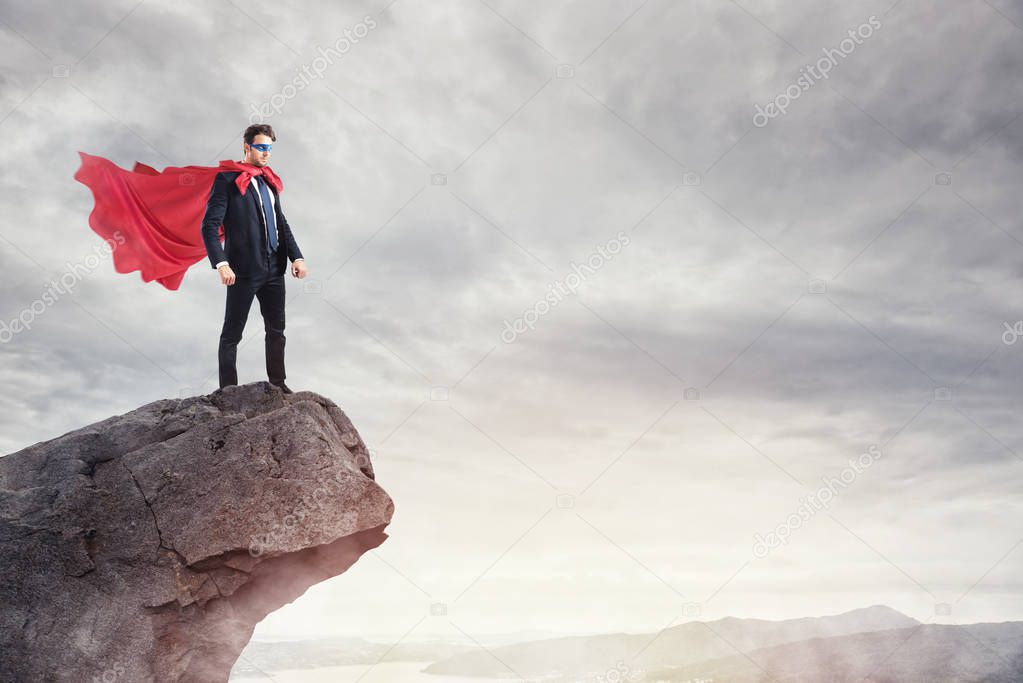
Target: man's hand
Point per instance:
(226, 275)
(298, 269)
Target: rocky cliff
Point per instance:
(146, 547)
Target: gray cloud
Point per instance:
(412, 282)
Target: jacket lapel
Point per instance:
(254, 200)
(250, 192)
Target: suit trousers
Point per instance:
(268, 288)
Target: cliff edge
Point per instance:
(147, 546)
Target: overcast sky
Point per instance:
(844, 279)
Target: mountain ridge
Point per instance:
(682, 644)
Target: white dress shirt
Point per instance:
(273, 203)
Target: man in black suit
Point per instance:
(257, 245)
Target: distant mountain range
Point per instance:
(688, 643)
(927, 653)
(877, 644)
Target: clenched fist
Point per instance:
(226, 275)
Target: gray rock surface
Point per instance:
(146, 547)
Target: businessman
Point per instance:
(257, 246)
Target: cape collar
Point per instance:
(247, 171)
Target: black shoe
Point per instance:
(283, 387)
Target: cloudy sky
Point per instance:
(784, 295)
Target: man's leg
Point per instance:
(271, 306)
(236, 312)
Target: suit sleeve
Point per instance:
(216, 207)
(284, 229)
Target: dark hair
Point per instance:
(258, 129)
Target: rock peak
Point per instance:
(147, 546)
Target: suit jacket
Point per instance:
(244, 246)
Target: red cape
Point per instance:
(158, 214)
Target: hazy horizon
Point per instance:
(503, 638)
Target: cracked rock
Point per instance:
(147, 546)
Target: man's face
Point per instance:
(254, 156)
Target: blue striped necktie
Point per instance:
(268, 213)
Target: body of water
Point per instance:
(386, 672)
